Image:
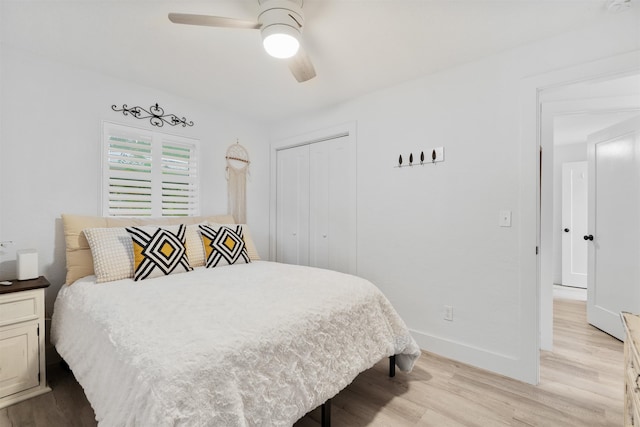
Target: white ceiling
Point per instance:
(357, 46)
(576, 128)
(625, 85)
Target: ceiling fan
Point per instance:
(280, 23)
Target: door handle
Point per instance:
(589, 237)
(566, 230)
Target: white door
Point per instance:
(614, 225)
(332, 202)
(292, 206)
(574, 224)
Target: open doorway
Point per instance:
(568, 115)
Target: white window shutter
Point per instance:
(148, 173)
(179, 178)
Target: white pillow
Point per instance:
(112, 252)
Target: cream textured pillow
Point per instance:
(195, 250)
(112, 252)
(248, 241)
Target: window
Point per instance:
(148, 173)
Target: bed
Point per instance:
(250, 344)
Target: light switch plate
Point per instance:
(504, 219)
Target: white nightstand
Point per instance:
(22, 353)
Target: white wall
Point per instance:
(429, 236)
(50, 145)
(562, 154)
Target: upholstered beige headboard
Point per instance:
(79, 259)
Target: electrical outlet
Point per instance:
(448, 313)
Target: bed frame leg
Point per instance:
(392, 366)
(325, 420)
(325, 410)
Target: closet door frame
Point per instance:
(343, 130)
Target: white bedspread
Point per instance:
(252, 344)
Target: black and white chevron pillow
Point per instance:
(223, 245)
(159, 251)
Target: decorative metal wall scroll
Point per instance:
(155, 114)
(437, 155)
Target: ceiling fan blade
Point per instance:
(211, 21)
(301, 66)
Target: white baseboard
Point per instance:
(503, 364)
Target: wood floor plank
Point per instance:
(581, 385)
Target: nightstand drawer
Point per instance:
(20, 307)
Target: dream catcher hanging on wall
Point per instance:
(237, 170)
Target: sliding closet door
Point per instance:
(316, 205)
(332, 205)
(292, 206)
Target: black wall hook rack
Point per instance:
(436, 155)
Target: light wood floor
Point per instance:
(581, 385)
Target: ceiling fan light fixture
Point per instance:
(280, 23)
(281, 41)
